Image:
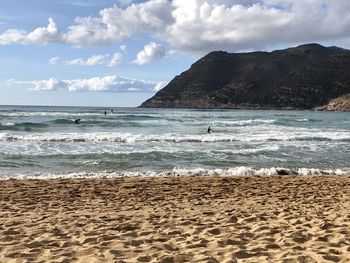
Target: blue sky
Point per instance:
(120, 52)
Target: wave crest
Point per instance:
(236, 171)
(171, 137)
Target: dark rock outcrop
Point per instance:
(304, 77)
(339, 104)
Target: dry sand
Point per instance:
(178, 219)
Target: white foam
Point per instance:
(262, 136)
(9, 124)
(243, 122)
(42, 149)
(48, 114)
(304, 171)
(235, 171)
(249, 171)
(112, 137)
(4, 136)
(256, 149)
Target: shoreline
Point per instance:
(176, 172)
(176, 219)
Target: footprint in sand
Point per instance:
(306, 259)
(34, 244)
(170, 247)
(116, 253)
(229, 242)
(134, 243)
(90, 240)
(214, 231)
(242, 254)
(144, 259)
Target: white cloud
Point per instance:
(44, 35)
(91, 61)
(97, 60)
(50, 84)
(123, 48)
(115, 60)
(149, 52)
(160, 85)
(111, 83)
(12, 36)
(54, 60)
(124, 2)
(83, 3)
(115, 23)
(203, 25)
(39, 36)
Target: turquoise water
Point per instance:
(46, 142)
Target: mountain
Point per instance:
(303, 77)
(339, 104)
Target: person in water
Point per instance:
(105, 112)
(210, 130)
(77, 121)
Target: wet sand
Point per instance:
(176, 219)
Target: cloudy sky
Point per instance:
(120, 52)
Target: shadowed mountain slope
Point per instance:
(303, 77)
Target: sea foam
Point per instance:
(176, 137)
(235, 171)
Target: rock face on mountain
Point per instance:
(303, 77)
(339, 104)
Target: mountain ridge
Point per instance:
(303, 77)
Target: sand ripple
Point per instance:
(177, 219)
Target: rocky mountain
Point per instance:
(303, 77)
(339, 104)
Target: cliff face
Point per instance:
(339, 104)
(296, 78)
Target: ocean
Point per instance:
(45, 142)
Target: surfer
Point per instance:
(105, 113)
(210, 130)
(77, 121)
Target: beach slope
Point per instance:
(176, 219)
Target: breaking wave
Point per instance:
(172, 137)
(236, 171)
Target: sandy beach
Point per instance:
(176, 219)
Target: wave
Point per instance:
(235, 171)
(139, 117)
(49, 114)
(256, 121)
(109, 123)
(110, 137)
(175, 138)
(70, 114)
(29, 126)
(244, 122)
(8, 124)
(249, 171)
(22, 126)
(103, 153)
(63, 121)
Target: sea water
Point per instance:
(45, 142)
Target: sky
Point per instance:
(118, 53)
